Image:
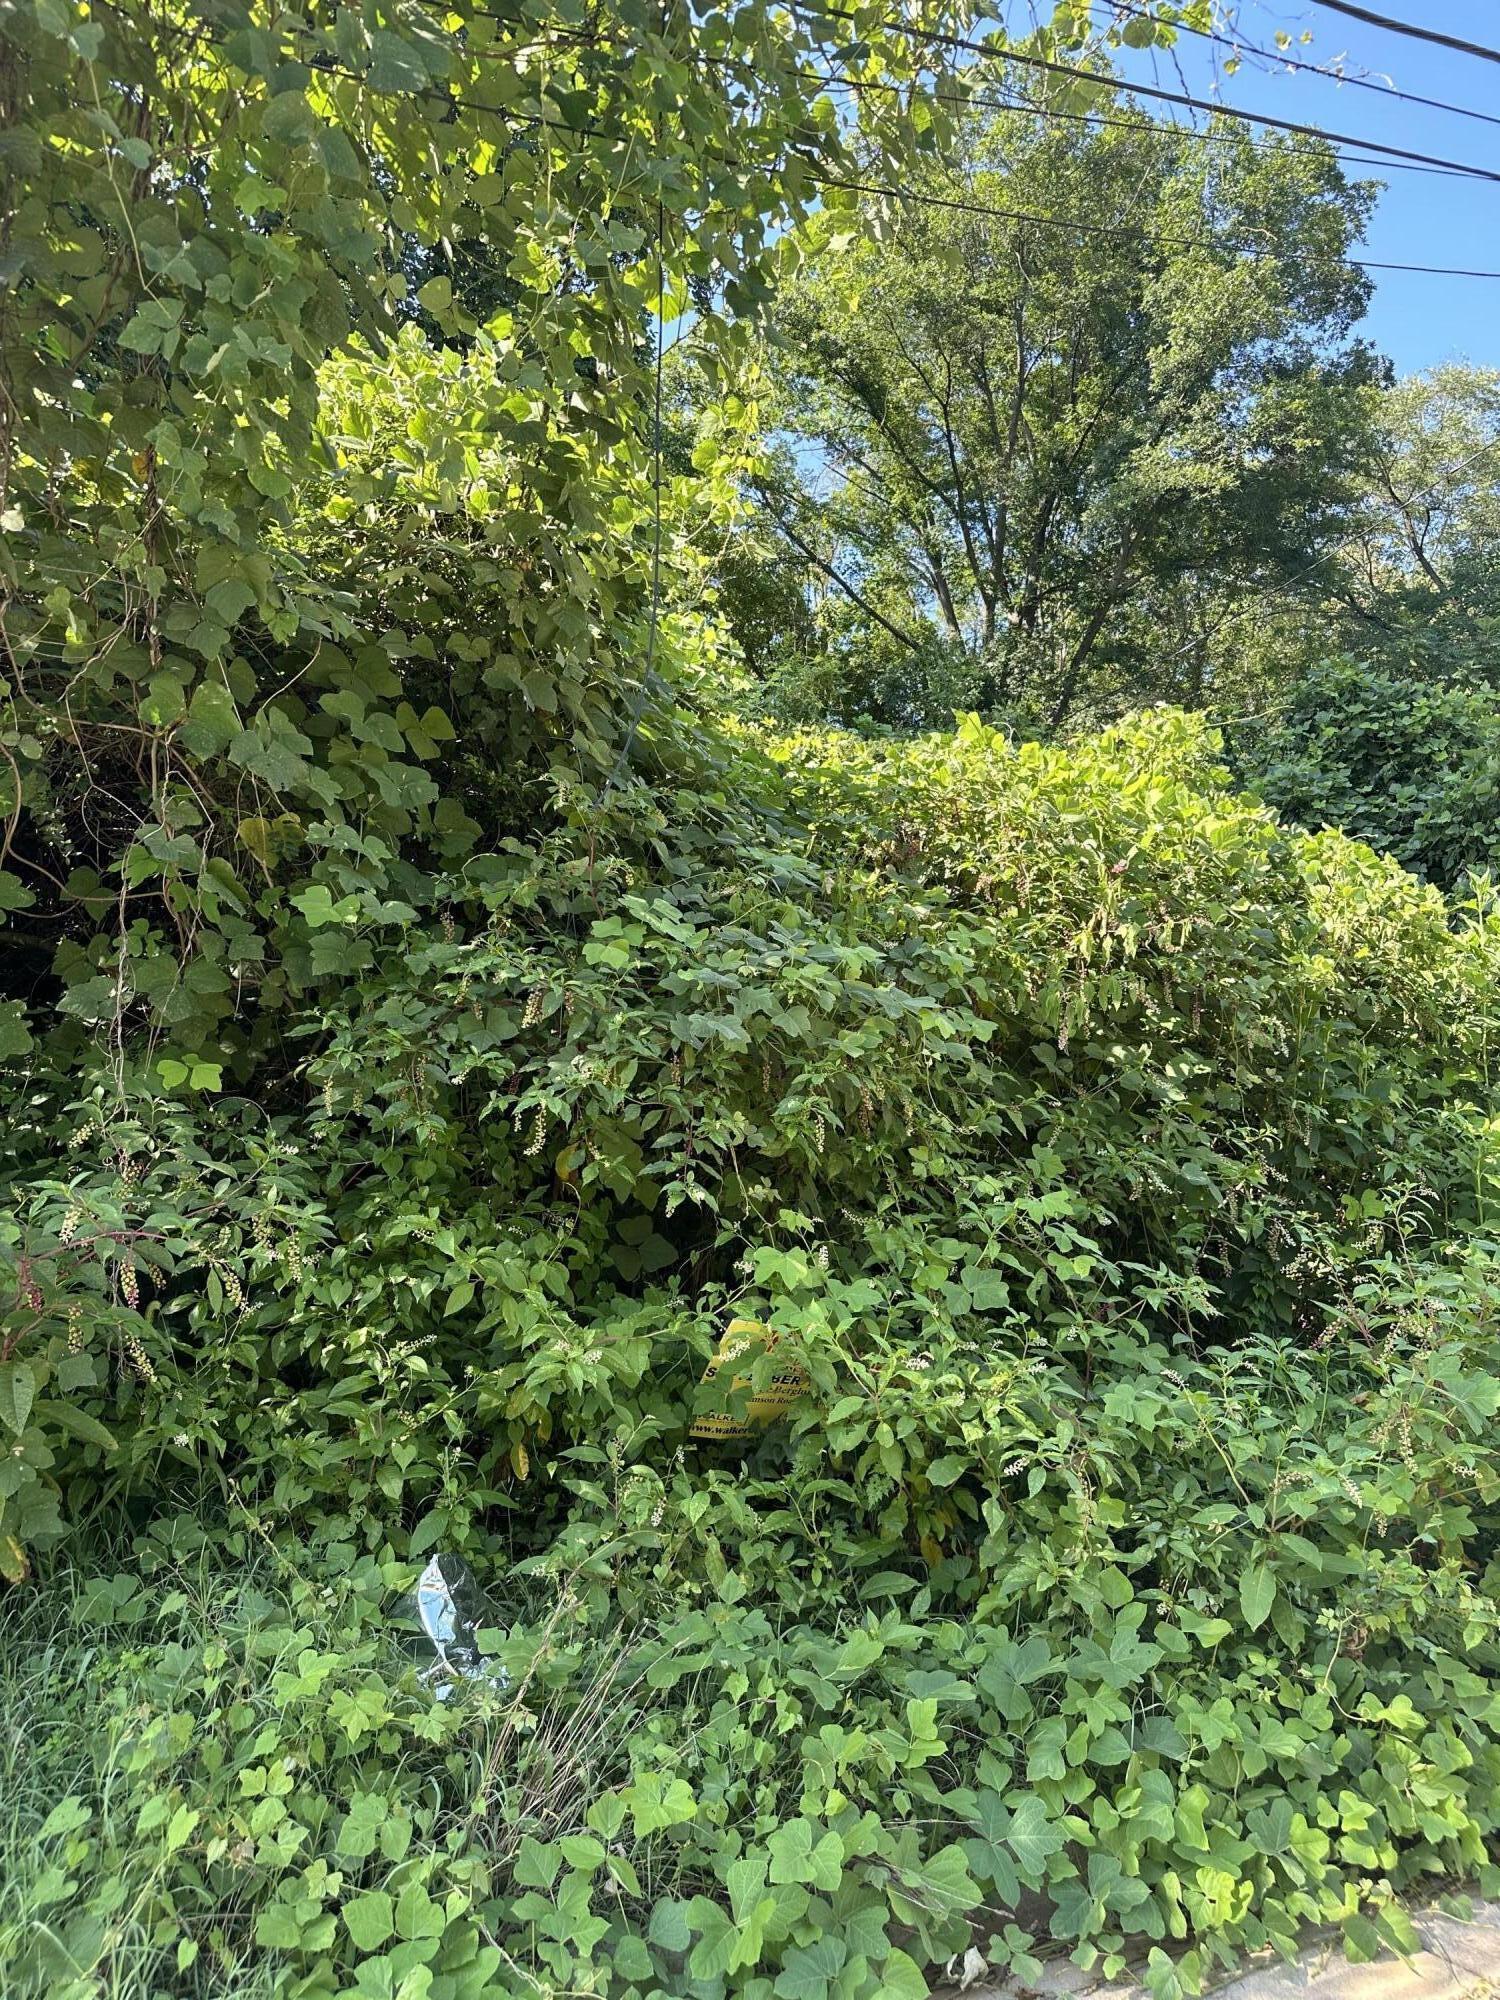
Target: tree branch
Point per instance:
(854, 595)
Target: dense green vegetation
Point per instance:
(1029, 473)
(1403, 753)
(1118, 1169)
(1374, 706)
(499, 969)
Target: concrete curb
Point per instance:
(1459, 1960)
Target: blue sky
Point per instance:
(1420, 218)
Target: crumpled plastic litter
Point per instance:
(450, 1607)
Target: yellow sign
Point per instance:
(748, 1336)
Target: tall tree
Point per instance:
(1424, 541)
(1086, 379)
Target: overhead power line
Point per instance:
(886, 191)
(1409, 29)
(1167, 131)
(1027, 61)
(1283, 61)
(1376, 150)
(957, 202)
(975, 208)
(1450, 169)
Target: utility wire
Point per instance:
(1408, 28)
(938, 201)
(990, 211)
(1154, 128)
(1377, 148)
(1307, 68)
(1102, 228)
(993, 54)
(1027, 107)
(995, 213)
(649, 669)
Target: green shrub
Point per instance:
(1404, 756)
(1116, 1170)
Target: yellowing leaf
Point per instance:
(254, 834)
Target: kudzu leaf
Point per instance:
(370, 1920)
(945, 1470)
(668, 1927)
(901, 1978)
(77, 1423)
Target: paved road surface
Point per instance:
(1459, 1961)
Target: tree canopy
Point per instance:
(1094, 381)
(1420, 551)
